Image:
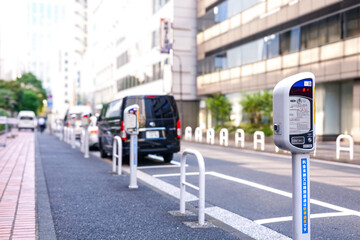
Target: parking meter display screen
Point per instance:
(301, 114)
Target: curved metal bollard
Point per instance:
(188, 133)
(339, 148)
(198, 134)
(260, 140)
(240, 137)
(201, 187)
(210, 136)
(117, 145)
(224, 137)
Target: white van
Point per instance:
(78, 110)
(27, 120)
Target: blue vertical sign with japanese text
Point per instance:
(305, 194)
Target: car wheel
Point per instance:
(102, 151)
(168, 157)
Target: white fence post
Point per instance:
(117, 145)
(73, 138)
(339, 148)
(188, 133)
(201, 187)
(224, 137)
(65, 134)
(82, 138)
(198, 134)
(240, 136)
(260, 140)
(210, 136)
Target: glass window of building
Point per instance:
(252, 52)
(234, 57)
(333, 28)
(272, 46)
(352, 22)
(220, 62)
(290, 41)
(221, 12)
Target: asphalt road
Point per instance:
(80, 198)
(258, 186)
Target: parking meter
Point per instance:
(294, 131)
(131, 124)
(85, 121)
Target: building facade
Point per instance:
(126, 47)
(246, 46)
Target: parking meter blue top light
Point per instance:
(293, 113)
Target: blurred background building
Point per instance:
(125, 43)
(245, 46)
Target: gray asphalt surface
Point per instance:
(257, 204)
(87, 202)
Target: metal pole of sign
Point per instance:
(73, 137)
(86, 144)
(133, 162)
(301, 196)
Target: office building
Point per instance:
(247, 46)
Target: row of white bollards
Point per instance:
(258, 139)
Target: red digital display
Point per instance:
(301, 91)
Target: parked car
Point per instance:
(78, 110)
(159, 126)
(27, 120)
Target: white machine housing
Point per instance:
(294, 113)
(85, 119)
(131, 119)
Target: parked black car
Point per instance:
(159, 126)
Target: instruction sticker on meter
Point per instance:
(301, 114)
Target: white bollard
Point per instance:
(82, 138)
(117, 145)
(339, 148)
(201, 187)
(240, 137)
(210, 136)
(73, 138)
(86, 144)
(260, 140)
(198, 134)
(188, 133)
(224, 137)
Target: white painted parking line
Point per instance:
(312, 216)
(243, 225)
(175, 174)
(158, 166)
(279, 192)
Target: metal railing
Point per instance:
(339, 148)
(201, 187)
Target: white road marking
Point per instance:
(312, 216)
(175, 174)
(158, 166)
(244, 225)
(276, 191)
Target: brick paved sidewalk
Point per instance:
(17, 188)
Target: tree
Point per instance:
(258, 107)
(31, 87)
(220, 107)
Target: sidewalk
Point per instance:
(17, 188)
(87, 201)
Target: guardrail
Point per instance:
(224, 137)
(339, 148)
(198, 134)
(201, 187)
(240, 137)
(210, 136)
(117, 146)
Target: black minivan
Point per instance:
(159, 126)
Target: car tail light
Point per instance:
(178, 129)
(67, 124)
(122, 131)
(94, 131)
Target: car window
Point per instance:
(161, 107)
(113, 109)
(26, 118)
